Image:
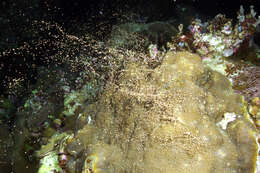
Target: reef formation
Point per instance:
(151, 98)
(179, 117)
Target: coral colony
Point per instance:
(219, 38)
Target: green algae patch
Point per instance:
(55, 143)
(49, 164)
(75, 100)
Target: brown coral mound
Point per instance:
(164, 120)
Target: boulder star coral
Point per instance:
(165, 120)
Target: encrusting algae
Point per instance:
(166, 120)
